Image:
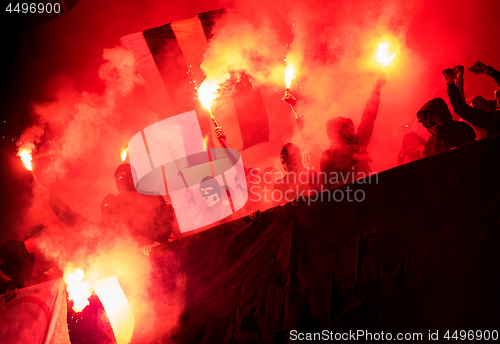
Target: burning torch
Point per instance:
(207, 92)
(123, 154)
(25, 155)
(288, 98)
(383, 56)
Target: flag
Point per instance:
(36, 315)
(168, 58)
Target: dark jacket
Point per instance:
(452, 134)
(340, 159)
(486, 120)
(17, 263)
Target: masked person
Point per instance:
(298, 181)
(215, 209)
(148, 218)
(446, 133)
(347, 158)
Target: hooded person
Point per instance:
(347, 158)
(298, 181)
(147, 217)
(446, 133)
(215, 209)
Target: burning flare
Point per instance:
(207, 92)
(78, 291)
(383, 56)
(117, 308)
(123, 154)
(26, 158)
(289, 74)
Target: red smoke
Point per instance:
(87, 100)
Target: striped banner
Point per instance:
(169, 58)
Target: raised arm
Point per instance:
(365, 128)
(474, 116)
(66, 214)
(308, 137)
(481, 68)
(306, 133)
(459, 81)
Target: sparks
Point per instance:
(26, 158)
(207, 92)
(383, 56)
(124, 154)
(289, 74)
(78, 291)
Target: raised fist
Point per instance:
(479, 68)
(459, 70)
(449, 75)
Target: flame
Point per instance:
(26, 158)
(117, 308)
(207, 92)
(289, 74)
(123, 154)
(383, 56)
(78, 291)
(205, 140)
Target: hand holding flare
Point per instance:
(207, 92)
(288, 97)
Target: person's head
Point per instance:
(478, 102)
(210, 191)
(435, 116)
(123, 178)
(340, 129)
(291, 158)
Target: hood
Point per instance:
(436, 106)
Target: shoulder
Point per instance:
(11, 247)
(330, 153)
(464, 128)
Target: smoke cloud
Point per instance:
(87, 101)
(78, 138)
